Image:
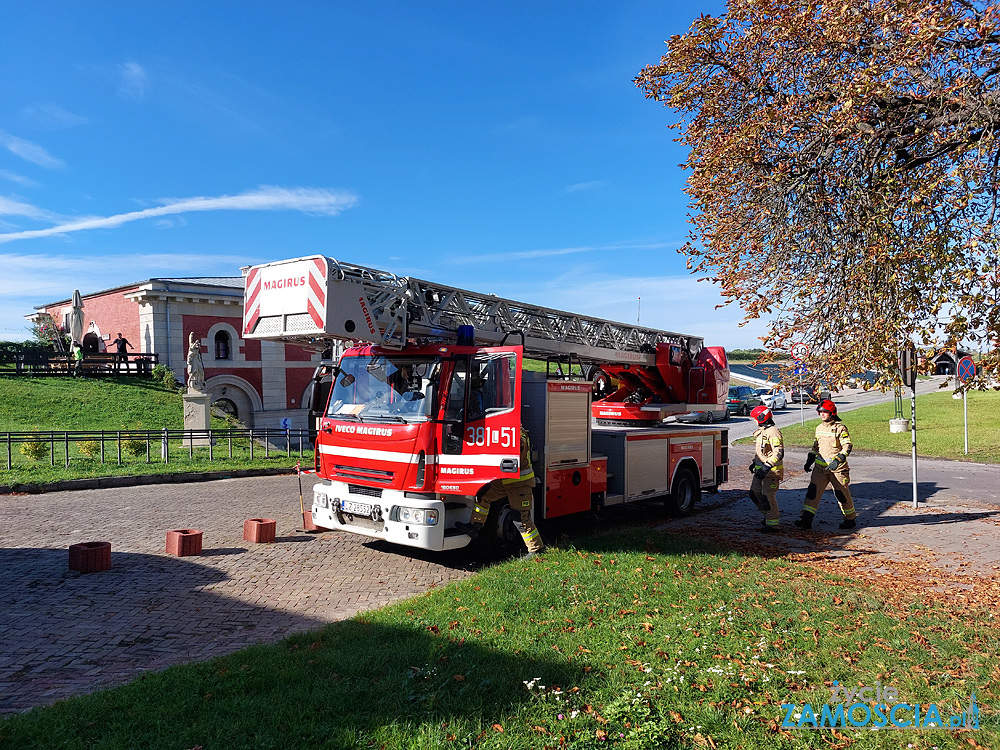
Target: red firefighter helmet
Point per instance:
(827, 405)
(762, 414)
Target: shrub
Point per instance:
(35, 450)
(89, 448)
(134, 447)
(165, 376)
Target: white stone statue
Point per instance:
(196, 368)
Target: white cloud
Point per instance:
(579, 187)
(36, 279)
(44, 277)
(11, 207)
(19, 179)
(672, 303)
(29, 151)
(173, 221)
(266, 198)
(556, 251)
(50, 116)
(133, 81)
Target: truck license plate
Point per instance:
(355, 509)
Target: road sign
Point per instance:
(800, 350)
(800, 368)
(966, 369)
(286, 423)
(908, 366)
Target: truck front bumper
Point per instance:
(401, 518)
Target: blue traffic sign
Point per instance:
(800, 369)
(966, 368)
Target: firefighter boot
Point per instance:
(806, 522)
(848, 523)
(472, 529)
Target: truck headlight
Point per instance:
(322, 500)
(415, 516)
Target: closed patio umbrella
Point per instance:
(76, 318)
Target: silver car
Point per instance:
(709, 416)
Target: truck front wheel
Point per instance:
(685, 494)
(499, 537)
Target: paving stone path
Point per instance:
(955, 528)
(63, 633)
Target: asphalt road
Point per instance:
(852, 398)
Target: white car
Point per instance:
(774, 398)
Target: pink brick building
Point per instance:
(262, 382)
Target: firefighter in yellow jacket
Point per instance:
(517, 492)
(767, 467)
(828, 461)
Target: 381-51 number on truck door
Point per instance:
(505, 437)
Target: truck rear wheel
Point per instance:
(685, 493)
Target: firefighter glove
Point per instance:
(753, 466)
(836, 462)
(810, 461)
(762, 472)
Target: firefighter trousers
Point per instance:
(766, 493)
(518, 496)
(841, 481)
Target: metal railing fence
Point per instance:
(138, 442)
(54, 363)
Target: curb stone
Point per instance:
(95, 483)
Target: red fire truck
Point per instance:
(425, 407)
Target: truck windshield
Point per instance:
(381, 388)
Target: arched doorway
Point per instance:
(232, 396)
(226, 407)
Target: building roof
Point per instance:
(234, 282)
(220, 282)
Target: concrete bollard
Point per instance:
(308, 525)
(184, 542)
(259, 530)
(90, 557)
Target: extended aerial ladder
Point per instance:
(642, 374)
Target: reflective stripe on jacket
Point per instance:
(527, 472)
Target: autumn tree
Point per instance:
(843, 170)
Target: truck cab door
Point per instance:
(480, 438)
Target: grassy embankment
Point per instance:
(635, 639)
(39, 404)
(940, 427)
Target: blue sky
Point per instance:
(502, 148)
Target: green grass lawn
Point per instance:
(940, 427)
(635, 639)
(113, 403)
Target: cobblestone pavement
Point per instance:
(63, 633)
